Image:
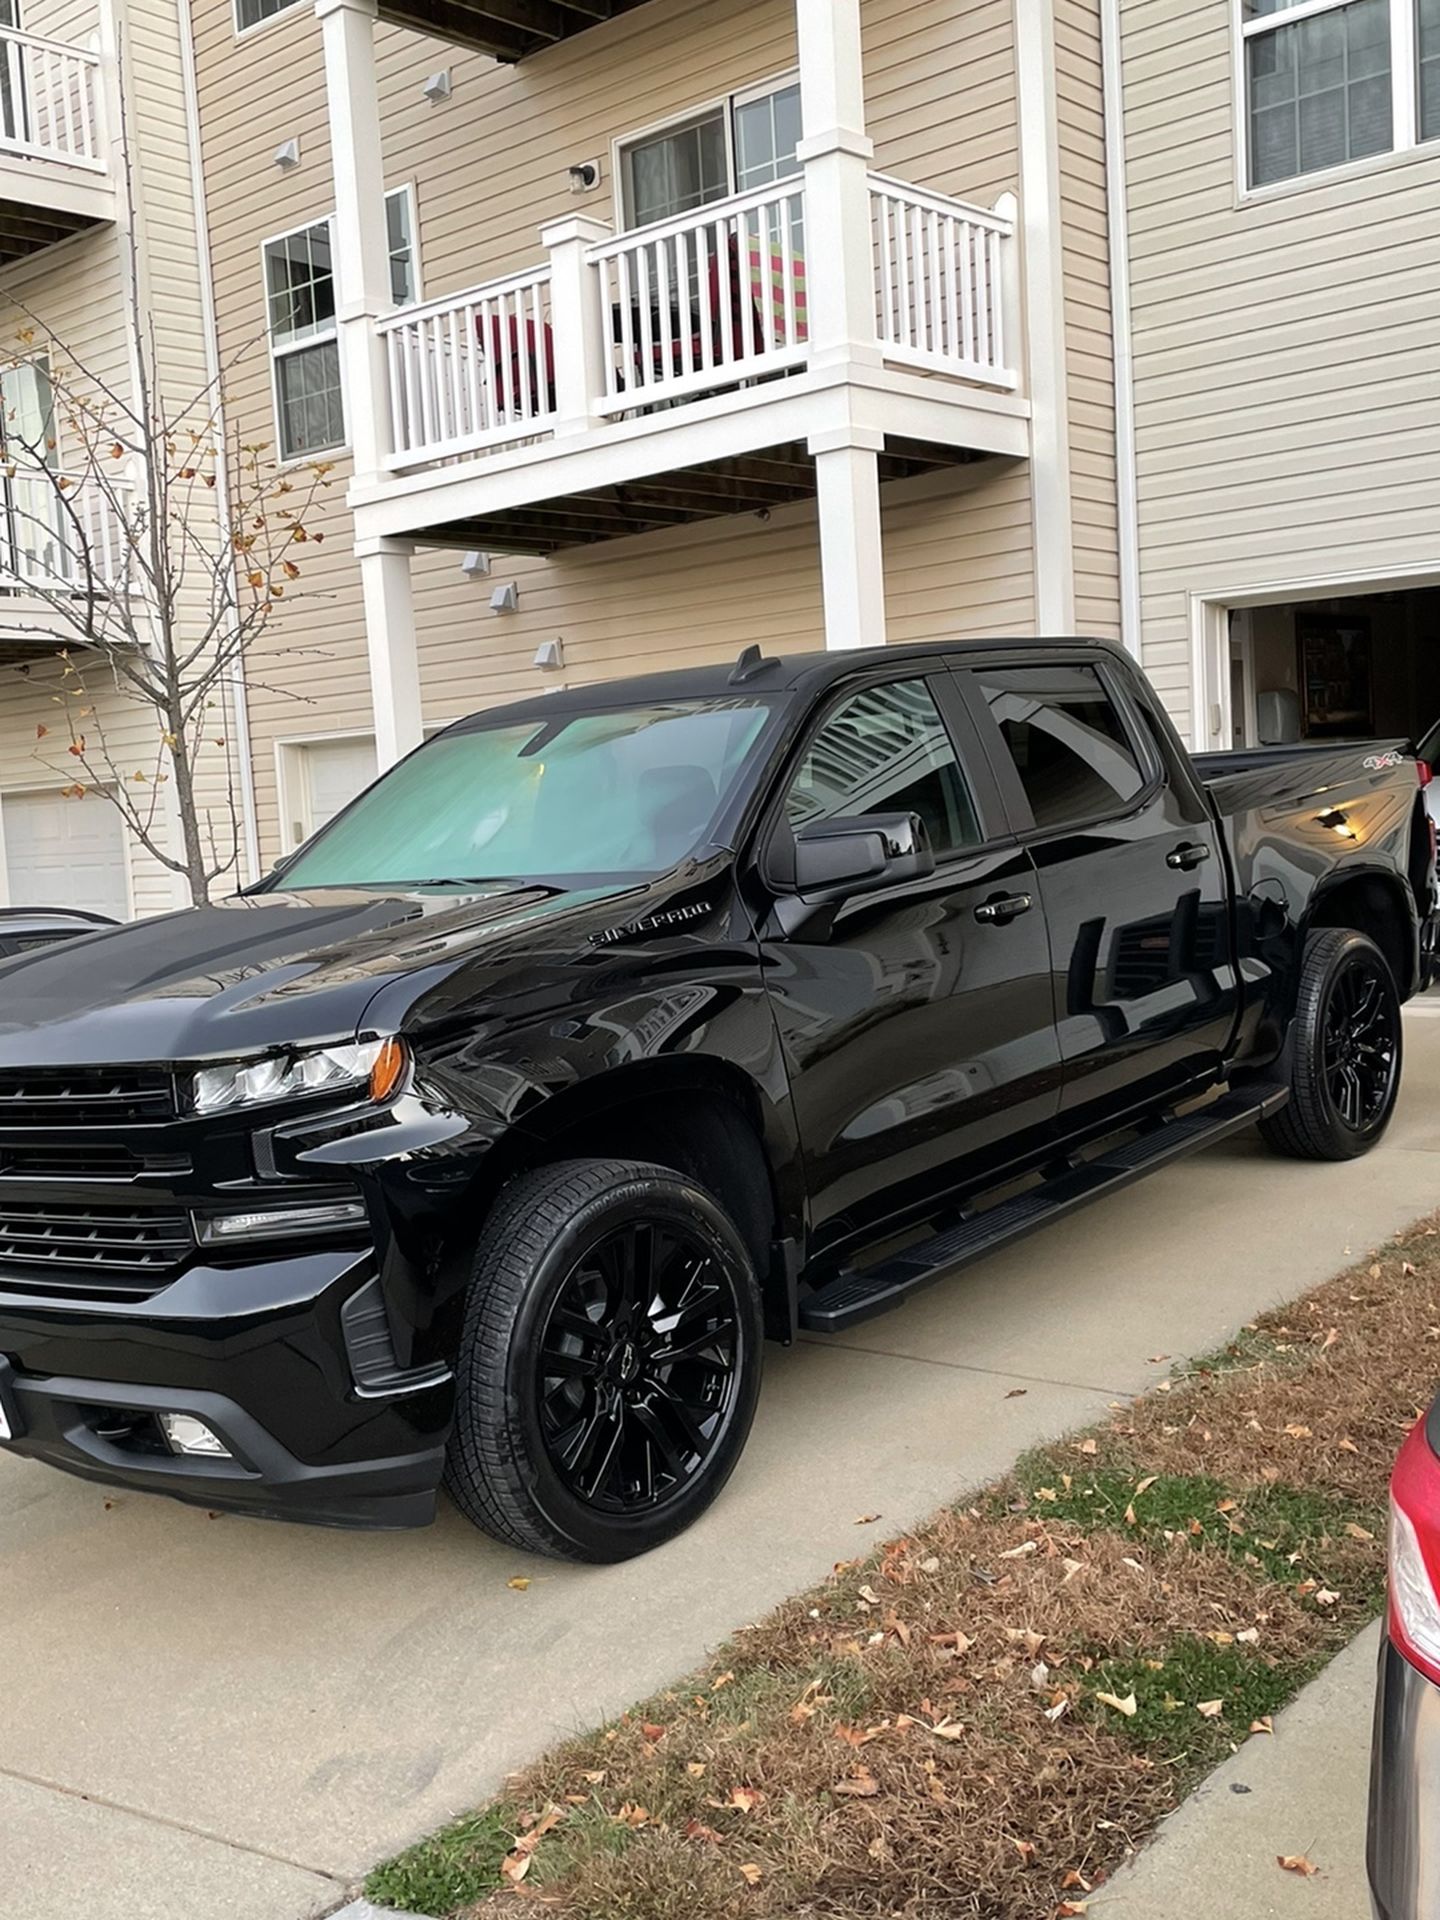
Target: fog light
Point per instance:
(185, 1434)
(282, 1220)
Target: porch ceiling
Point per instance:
(507, 29)
(748, 483)
(26, 227)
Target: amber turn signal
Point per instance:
(389, 1069)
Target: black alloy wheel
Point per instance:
(1345, 1051)
(610, 1360)
(637, 1366)
(1362, 1041)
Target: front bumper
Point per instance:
(1403, 1852)
(261, 1355)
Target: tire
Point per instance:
(568, 1375)
(1346, 1050)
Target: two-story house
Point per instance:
(644, 331)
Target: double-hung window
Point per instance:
(304, 343)
(747, 140)
(1327, 82)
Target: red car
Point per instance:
(1404, 1845)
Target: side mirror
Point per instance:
(859, 853)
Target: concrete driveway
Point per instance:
(202, 1719)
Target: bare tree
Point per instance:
(158, 547)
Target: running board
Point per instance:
(855, 1296)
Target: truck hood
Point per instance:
(267, 970)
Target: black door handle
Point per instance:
(1188, 855)
(1003, 908)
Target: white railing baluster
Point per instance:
(940, 277)
(50, 105)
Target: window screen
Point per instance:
(1319, 90)
(886, 751)
(1067, 739)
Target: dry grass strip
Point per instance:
(982, 1719)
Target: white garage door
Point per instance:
(331, 773)
(64, 853)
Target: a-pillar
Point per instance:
(390, 641)
(852, 556)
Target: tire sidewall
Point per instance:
(656, 1196)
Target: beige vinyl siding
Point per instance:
(1089, 348)
(1287, 395)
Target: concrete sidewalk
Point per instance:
(1301, 1792)
(199, 1711)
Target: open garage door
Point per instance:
(1349, 667)
(65, 853)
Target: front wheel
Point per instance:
(1345, 1051)
(610, 1361)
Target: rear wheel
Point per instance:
(610, 1361)
(1346, 1051)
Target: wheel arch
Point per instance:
(1373, 902)
(698, 1116)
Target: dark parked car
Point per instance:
(614, 1030)
(22, 929)
(1404, 1850)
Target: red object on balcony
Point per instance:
(512, 379)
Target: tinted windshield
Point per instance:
(616, 794)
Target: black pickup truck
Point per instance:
(610, 1032)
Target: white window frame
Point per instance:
(723, 103)
(1404, 95)
(284, 12)
(278, 350)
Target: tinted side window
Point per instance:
(886, 751)
(1067, 739)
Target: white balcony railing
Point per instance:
(472, 372)
(48, 96)
(59, 534)
(941, 299)
(703, 301)
(708, 303)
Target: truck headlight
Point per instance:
(378, 1066)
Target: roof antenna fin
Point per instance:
(750, 663)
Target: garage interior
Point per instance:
(1352, 667)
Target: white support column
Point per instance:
(836, 155)
(390, 639)
(359, 235)
(852, 553)
(1044, 334)
(576, 322)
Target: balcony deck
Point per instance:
(55, 177)
(701, 391)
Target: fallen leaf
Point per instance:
(1074, 1878)
(1025, 1849)
(695, 1769)
(1086, 1446)
(868, 1519)
(961, 1642)
(1019, 1553)
(1017, 1393)
(1248, 1636)
(1210, 1709)
(1146, 1484)
(1357, 1532)
(721, 1680)
(751, 1874)
(649, 1731)
(948, 1729)
(1295, 1863)
(697, 1830)
(745, 1799)
(1129, 1706)
(860, 1785)
(1068, 1909)
(1298, 1432)
(1347, 1446)
(596, 1777)
(1263, 1725)
(632, 1816)
(519, 1584)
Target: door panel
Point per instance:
(916, 1034)
(1132, 878)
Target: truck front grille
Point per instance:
(85, 1097)
(78, 1251)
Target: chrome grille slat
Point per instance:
(84, 1097)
